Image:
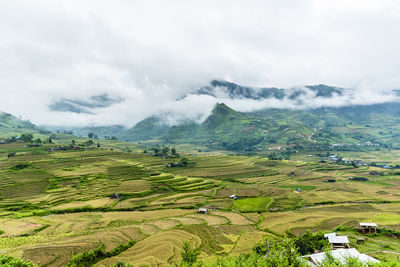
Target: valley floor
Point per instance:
(57, 204)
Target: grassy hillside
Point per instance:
(12, 126)
(357, 128)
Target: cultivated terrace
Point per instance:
(125, 204)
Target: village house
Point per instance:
(330, 234)
(203, 210)
(340, 255)
(368, 227)
(338, 242)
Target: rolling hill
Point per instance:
(11, 126)
(354, 128)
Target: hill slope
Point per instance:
(323, 128)
(11, 125)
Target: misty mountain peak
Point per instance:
(225, 89)
(85, 106)
(219, 115)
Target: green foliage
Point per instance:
(9, 261)
(310, 242)
(385, 231)
(27, 138)
(189, 256)
(90, 258)
(20, 166)
(258, 204)
(184, 162)
(283, 253)
(89, 142)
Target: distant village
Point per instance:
(341, 160)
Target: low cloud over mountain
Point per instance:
(151, 53)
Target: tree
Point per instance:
(50, 140)
(73, 142)
(6, 260)
(184, 162)
(98, 145)
(165, 151)
(156, 150)
(28, 138)
(173, 152)
(189, 256)
(90, 135)
(89, 142)
(284, 253)
(309, 242)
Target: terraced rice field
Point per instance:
(63, 203)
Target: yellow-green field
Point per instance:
(60, 203)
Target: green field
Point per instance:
(253, 204)
(57, 204)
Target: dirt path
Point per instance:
(309, 138)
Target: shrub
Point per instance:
(9, 261)
(309, 242)
(189, 256)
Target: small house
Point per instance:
(234, 197)
(330, 234)
(368, 227)
(115, 196)
(338, 241)
(357, 179)
(203, 210)
(340, 255)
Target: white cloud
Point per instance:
(152, 52)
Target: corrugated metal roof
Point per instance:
(368, 224)
(330, 234)
(340, 255)
(338, 239)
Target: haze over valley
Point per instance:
(199, 133)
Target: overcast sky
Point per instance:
(152, 52)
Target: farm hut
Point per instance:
(115, 196)
(234, 197)
(332, 180)
(357, 178)
(330, 234)
(338, 242)
(368, 227)
(340, 255)
(203, 210)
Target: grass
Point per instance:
(258, 204)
